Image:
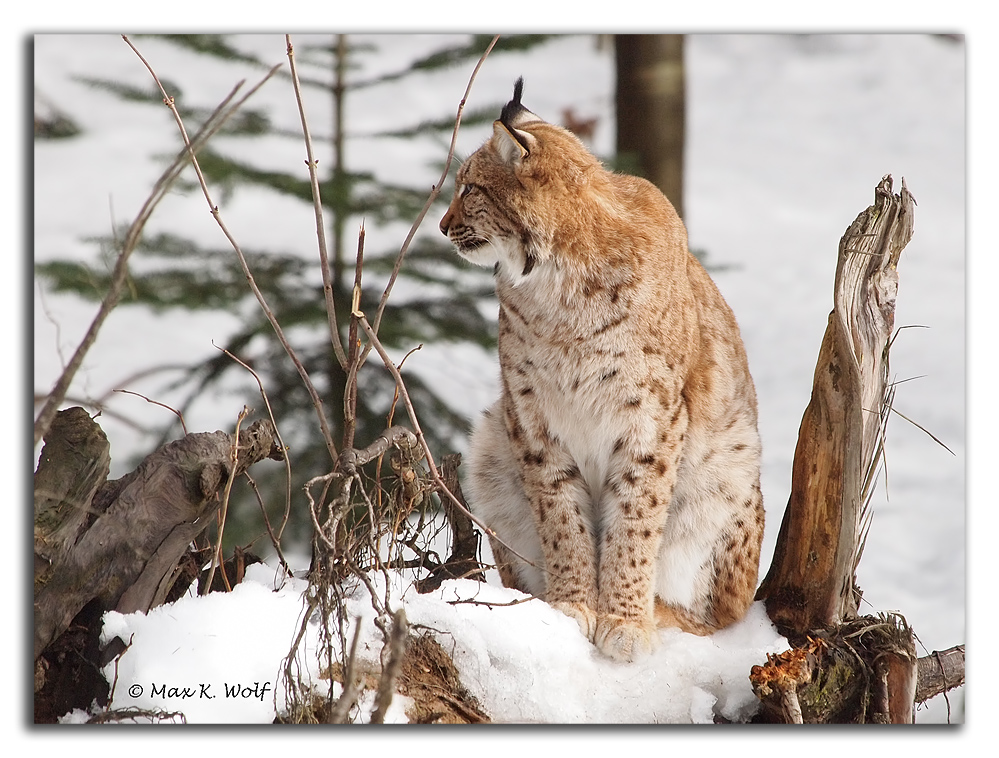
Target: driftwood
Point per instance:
(116, 545)
(842, 667)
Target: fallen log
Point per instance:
(939, 672)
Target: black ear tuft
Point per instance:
(512, 109)
(518, 89)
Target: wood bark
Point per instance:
(939, 672)
(651, 108)
(811, 583)
(862, 672)
(119, 542)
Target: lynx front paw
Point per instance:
(624, 640)
(583, 615)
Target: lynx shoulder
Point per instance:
(619, 467)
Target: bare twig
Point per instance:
(341, 709)
(119, 274)
(217, 557)
(353, 359)
(279, 332)
(275, 539)
(390, 672)
(277, 433)
(434, 473)
(161, 405)
(317, 203)
(434, 193)
(487, 604)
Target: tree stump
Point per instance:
(842, 668)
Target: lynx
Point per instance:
(619, 468)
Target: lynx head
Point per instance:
(521, 193)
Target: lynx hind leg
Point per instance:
(506, 566)
(673, 617)
(496, 496)
(720, 592)
(737, 565)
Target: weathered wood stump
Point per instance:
(116, 545)
(842, 668)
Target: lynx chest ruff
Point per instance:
(619, 468)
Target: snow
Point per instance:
(522, 660)
(782, 155)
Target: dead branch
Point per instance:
(396, 649)
(434, 473)
(462, 563)
(312, 163)
(275, 536)
(261, 300)
(939, 672)
(223, 512)
(118, 276)
(394, 436)
(431, 199)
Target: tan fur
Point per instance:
(622, 457)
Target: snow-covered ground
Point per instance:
(787, 138)
(525, 663)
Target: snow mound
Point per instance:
(217, 658)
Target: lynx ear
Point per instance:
(512, 143)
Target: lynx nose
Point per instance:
(445, 224)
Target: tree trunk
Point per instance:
(650, 101)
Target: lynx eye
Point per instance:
(464, 190)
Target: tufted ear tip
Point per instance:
(513, 108)
(512, 143)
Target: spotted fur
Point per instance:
(622, 457)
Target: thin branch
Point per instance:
(397, 651)
(217, 557)
(275, 539)
(340, 711)
(317, 203)
(313, 394)
(434, 473)
(487, 604)
(284, 448)
(161, 405)
(219, 116)
(353, 359)
(434, 193)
